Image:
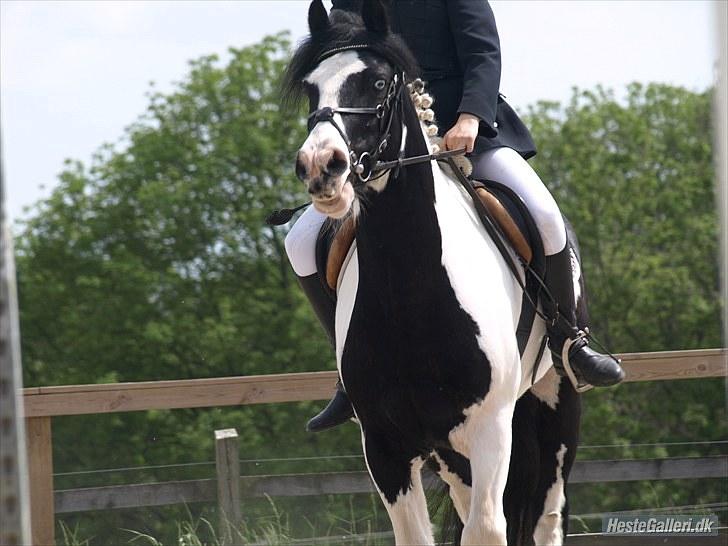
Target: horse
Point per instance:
(427, 307)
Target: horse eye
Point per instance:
(379, 84)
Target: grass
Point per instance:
(70, 537)
(273, 529)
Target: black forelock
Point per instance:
(345, 29)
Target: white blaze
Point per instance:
(329, 77)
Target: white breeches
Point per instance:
(503, 165)
(506, 166)
(301, 242)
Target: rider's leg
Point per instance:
(301, 250)
(506, 166)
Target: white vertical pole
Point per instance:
(720, 111)
(14, 501)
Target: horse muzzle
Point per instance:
(324, 171)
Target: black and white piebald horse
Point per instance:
(427, 307)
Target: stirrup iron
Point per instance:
(578, 387)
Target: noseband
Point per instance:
(363, 165)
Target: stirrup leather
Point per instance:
(581, 336)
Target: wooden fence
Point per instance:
(44, 403)
(334, 483)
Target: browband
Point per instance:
(334, 51)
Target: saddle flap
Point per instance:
(339, 248)
(508, 226)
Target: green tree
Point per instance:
(635, 177)
(155, 263)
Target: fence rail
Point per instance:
(334, 483)
(44, 403)
(299, 387)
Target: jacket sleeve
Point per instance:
(476, 39)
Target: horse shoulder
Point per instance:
(478, 274)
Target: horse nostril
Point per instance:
(301, 171)
(315, 186)
(337, 164)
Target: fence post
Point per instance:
(40, 470)
(227, 467)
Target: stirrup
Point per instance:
(578, 386)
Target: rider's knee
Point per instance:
(300, 243)
(301, 256)
(550, 224)
(546, 214)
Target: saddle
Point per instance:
(506, 208)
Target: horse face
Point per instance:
(350, 79)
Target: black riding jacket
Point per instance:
(456, 45)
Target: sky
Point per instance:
(73, 75)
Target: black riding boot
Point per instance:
(339, 409)
(589, 366)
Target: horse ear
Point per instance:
(375, 16)
(318, 19)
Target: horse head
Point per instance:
(352, 70)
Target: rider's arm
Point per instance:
(476, 39)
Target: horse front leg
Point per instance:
(558, 435)
(398, 480)
(454, 470)
(485, 438)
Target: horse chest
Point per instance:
(410, 355)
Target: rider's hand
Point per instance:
(463, 133)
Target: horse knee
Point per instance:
(485, 529)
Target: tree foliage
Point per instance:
(635, 177)
(154, 263)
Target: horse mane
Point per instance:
(345, 29)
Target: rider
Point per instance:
(456, 44)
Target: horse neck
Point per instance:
(399, 227)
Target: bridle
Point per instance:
(363, 165)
